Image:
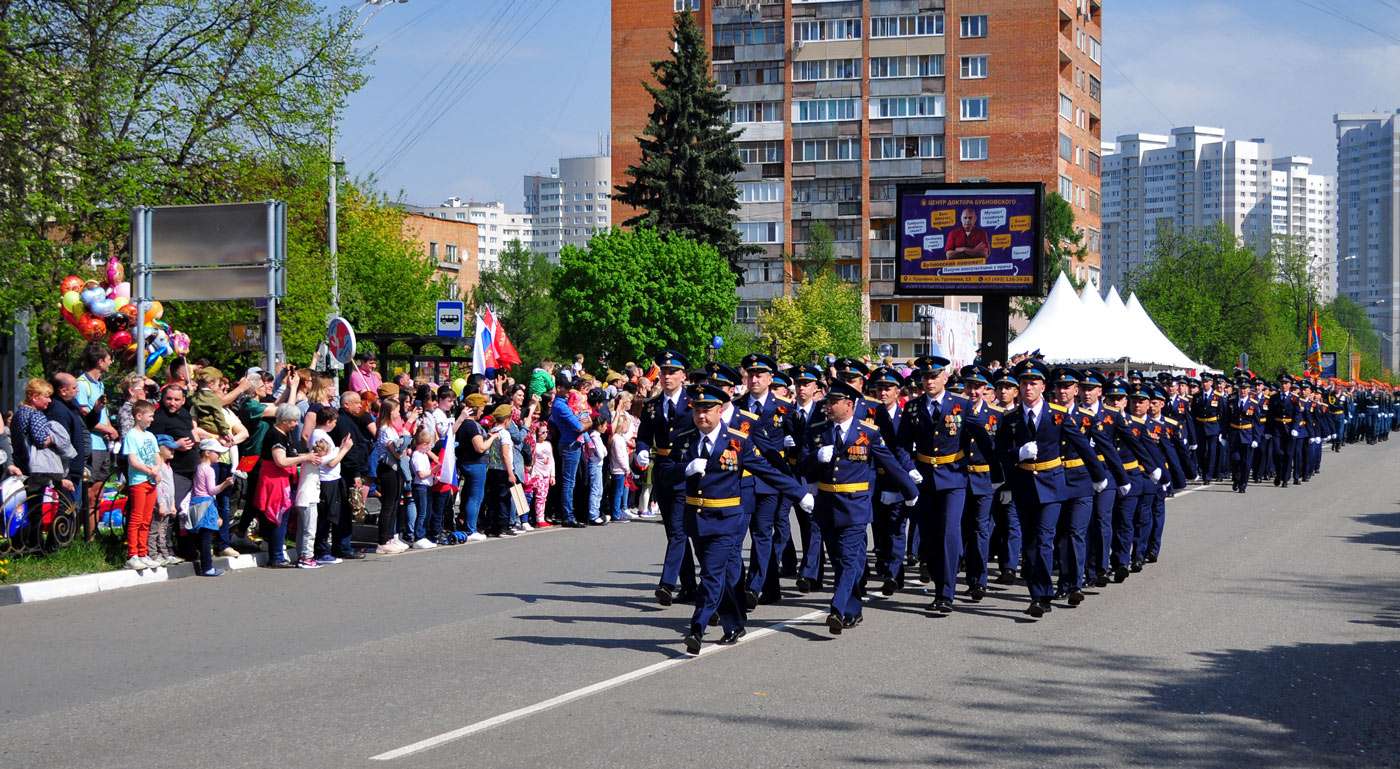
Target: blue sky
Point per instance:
(531, 82)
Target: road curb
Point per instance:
(86, 584)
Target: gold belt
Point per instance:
(703, 502)
(1206, 419)
(1249, 426)
(1284, 420)
(1133, 465)
(1035, 467)
(942, 459)
(979, 468)
(1073, 463)
(844, 488)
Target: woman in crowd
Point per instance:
(500, 476)
(281, 456)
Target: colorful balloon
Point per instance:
(120, 340)
(458, 385)
(129, 310)
(91, 295)
(118, 320)
(92, 327)
(180, 342)
(116, 273)
(153, 312)
(68, 316)
(153, 363)
(70, 283)
(103, 308)
(122, 289)
(72, 301)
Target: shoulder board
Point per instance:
(869, 422)
(996, 408)
(1172, 422)
(1059, 408)
(781, 398)
(738, 432)
(748, 414)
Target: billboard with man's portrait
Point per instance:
(969, 238)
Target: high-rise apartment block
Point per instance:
(495, 226)
(1196, 178)
(839, 101)
(571, 203)
(1368, 221)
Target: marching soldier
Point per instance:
(983, 476)
(842, 456)
(1084, 479)
(715, 459)
(771, 431)
(1205, 410)
(1283, 419)
(1006, 544)
(889, 515)
(808, 411)
(661, 416)
(1243, 426)
(1105, 425)
(1134, 439)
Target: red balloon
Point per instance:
(129, 310)
(92, 327)
(70, 283)
(68, 316)
(120, 340)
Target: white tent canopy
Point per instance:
(1089, 329)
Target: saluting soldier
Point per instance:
(841, 456)
(1085, 477)
(716, 460)
(662, 415)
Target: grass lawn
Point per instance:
(106, 554)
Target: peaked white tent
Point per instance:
(1062, 330)
(1157, 347)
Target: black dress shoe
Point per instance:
(1035, 610)
(976, 593)
(804, 585)
(888, 588)
(850, 622)
(1152, 558)
(686, 595)
(1006, 577)
(924, 576)
(1136, 567)
(1120, 574)
(750, 600)
(664, 596)
(1076, 597)
(732, 637)
(714, 620)
(1046, 605)
(692, 641)
(1101, 581)
(834, 623)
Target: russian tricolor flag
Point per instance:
(491, 347)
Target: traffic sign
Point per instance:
(451, 319)
(340, 340)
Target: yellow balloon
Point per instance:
(72, 302)
(458, 385)
(120, 302)
(155, 367)
(153, 312)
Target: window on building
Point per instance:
(753, 112)
(920, 25)
(818, 110)
(849, 272)
(1066, 188)
(826, 69)
(746, 313)
(451, 252)
(974, 108)
(818, 150)
(973, 26)
(972, 67)
(763, 73)
(973, 307)
(1095, 89)
(927, 65)
(1066, 107)
(1095, 163)
(972, 148)
(761, 152)
(827, 29)
(1066, 148)
(826, 191)
(454, 291)
(907, 106)
(432, 250)
(1095, 50)
(760, 232)
(889, 313)
(748, 34)
(760, 192)
(882, 269)
(902, 147)
(681, 5)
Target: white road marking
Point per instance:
(578, 694)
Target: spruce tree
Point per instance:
(684, 183)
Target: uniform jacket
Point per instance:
(767, 428)
(889, 426)
(1104, 426)
(1206, 409)
(940, 447)
(1138, 461)
(1041, 480)
(846, 484)
(1283, 415)
(1082, 470)
(655, 432)
(712, 501)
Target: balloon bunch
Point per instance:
(98, 309)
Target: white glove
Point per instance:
(1193, 447)
(911, 502)
(1100, 485)
(824, 453)
(1029, 451)
(1125, 489)
(1166, 488)
(1004, 496)
(1156, 473)
(643, 459)
(1222, 439)
(916, 476)
(807, 502)
(890, 497)
(1317, 440)
(1254, 444)
(696, 466)
(788, 442)
(1293, 433)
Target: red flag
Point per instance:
(500, 342)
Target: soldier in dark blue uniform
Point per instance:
(888, 524)
(1006, 545)
(983, 476)
(841, 457)
(1283, 418)
(715, 459)
(1205, 410)
(938, 429)
(770, 430)
(1028, 445)
(1243, 426)
(1104, 429)
(1146, 472)
(809, 409)
(661, 416)
(1085, 477)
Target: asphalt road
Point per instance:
(1268, 635)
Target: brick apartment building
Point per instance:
(840, 100)
(452, 248)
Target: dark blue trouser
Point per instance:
(977, 537)
(1100, 537)
(813, 549)
(678, 564)
(1006, 534)
(1072, 541)
(1038, 523)
(1241, 460)
(940, 524)
(782, 540)
(1206, 451)
(888, 526)
(847, 547)
(717, 557)
(1283, 456)
(1124, 527)
(473, 495)
(767, 546)
(1158, 523)
(1142, 521)
(568, 478)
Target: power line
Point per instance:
(1334, 13)
(1140, 92)
(395, 33)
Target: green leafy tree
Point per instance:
(519, 291)
(684, 181)
(819, 256)
(822, 316)
(1346, 329)
(631, 293)
(739, 341)
(111, 104)
(1064, 251)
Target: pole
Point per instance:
(996, 325)
(331, 226)
(138, 270)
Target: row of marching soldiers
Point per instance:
(1042, 471)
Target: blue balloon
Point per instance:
(717, 342)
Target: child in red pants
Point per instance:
(142, 475)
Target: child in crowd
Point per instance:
(160, 544)
(142, 474)
(204, 514)
(329, 489)
(617, 465)
(308, 497)
(596, 451)
(541, 475)
(425, 466)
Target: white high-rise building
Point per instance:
(570, 204)
(1304, 209)
(1195, 178)
(495, 226)
(1368, 221)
